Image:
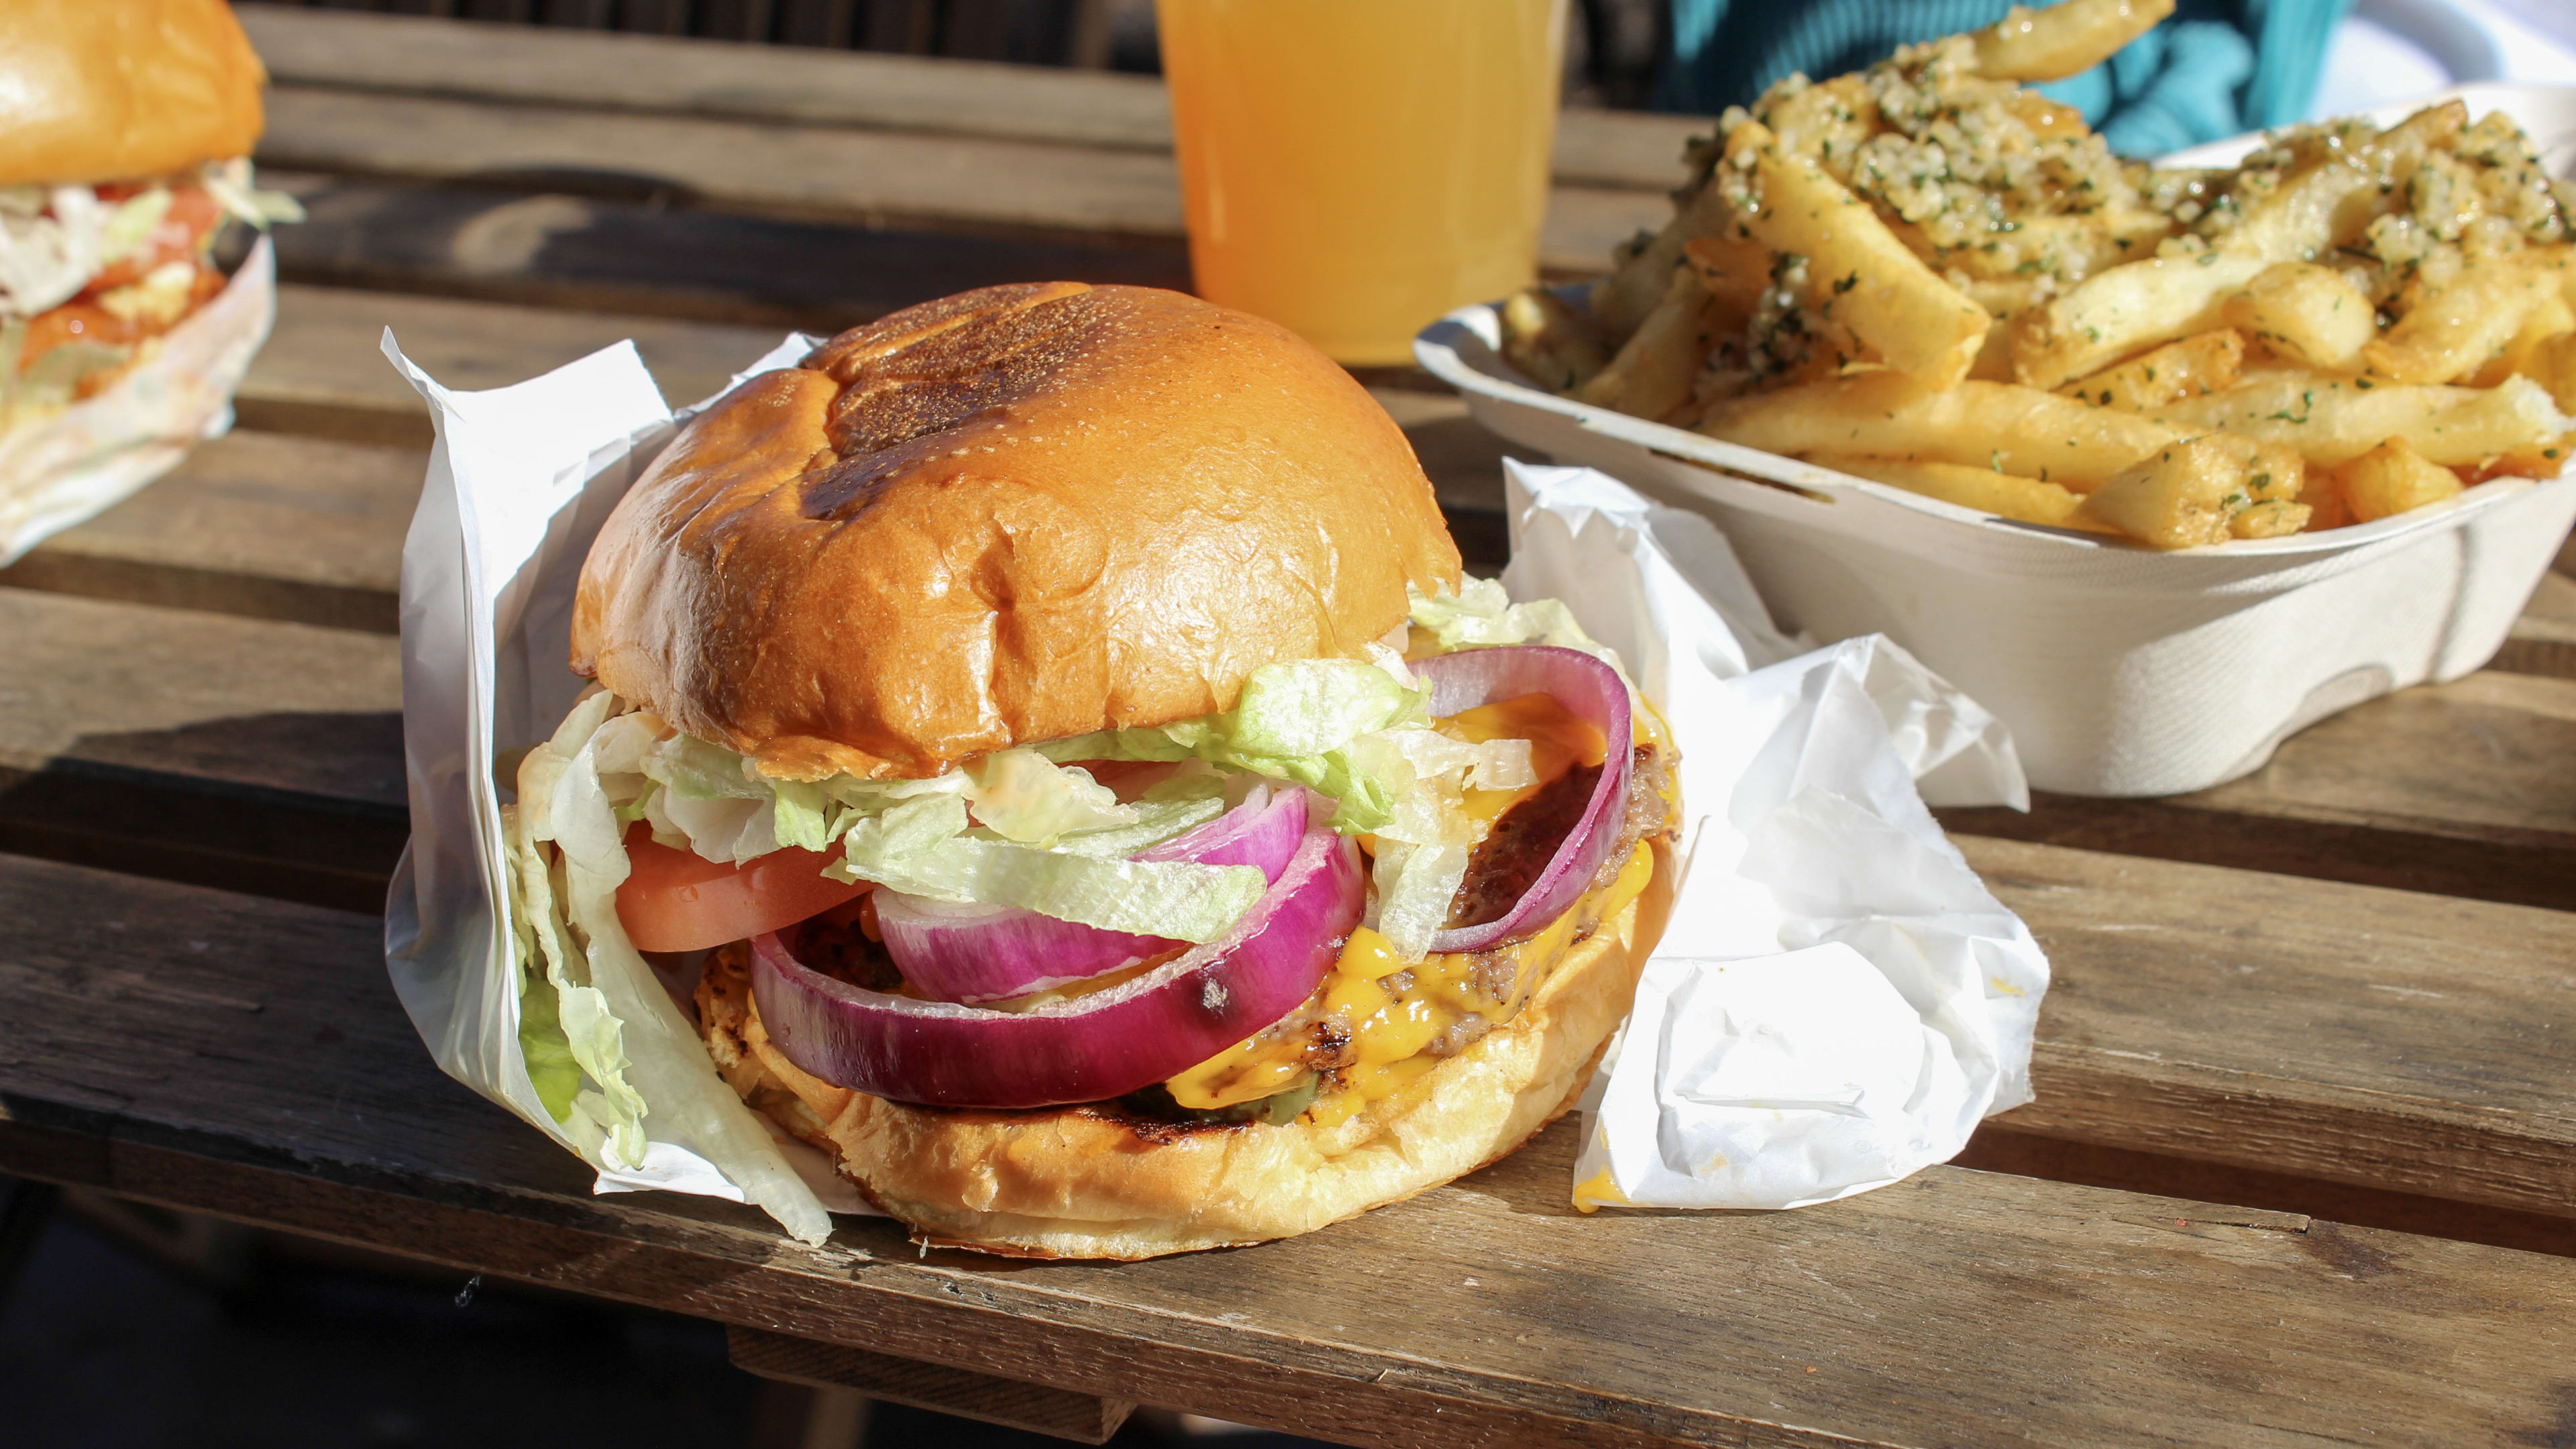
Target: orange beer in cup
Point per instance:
(1351, 169)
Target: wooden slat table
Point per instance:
(2339, 994)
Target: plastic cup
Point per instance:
(1353, 169)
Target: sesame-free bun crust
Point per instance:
(117, 90)
(1012, 515)
(1075, 1183)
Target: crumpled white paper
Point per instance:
(519, 482)
(1837, 1001)
(102, 450)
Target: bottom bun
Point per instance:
(1094, 1182)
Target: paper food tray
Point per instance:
(2121, 670)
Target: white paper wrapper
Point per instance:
(519, 483)
(101, 451)
(1838, 1001)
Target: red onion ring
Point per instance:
(974, 953)
(1086, 1048)
(1591, 691)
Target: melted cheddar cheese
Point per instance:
(1558, 742)
(1390, 1019)
(1393, 1012)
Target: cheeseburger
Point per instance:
(1051, 724)
(125, 130)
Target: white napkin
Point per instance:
(102, 450)
(1838, 1000)
(1805, 831)
(519, 483)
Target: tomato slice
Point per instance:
(180, 233)
(677, 900)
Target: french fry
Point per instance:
(1652, 372)
(1549, 341)
(2270, 518)
(1735, 270)
(2180, 497)
(2114, 313)
(1984, 489)
(2005, 297)
(1994, 425)
(1652, 375)
(2544, 459)
(1827, 120)
(2554, 367)
(1636, 285)
(2047, 117)
(2448, 330)
(2323, 498)
(2052, 44)
(2307, 313)
(2074, 244)
(2331, 423)
(1994, 359)
(2528, 352)
(2204, 363)
(1863, 276)
(2391, 479)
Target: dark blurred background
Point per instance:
(1612, 46)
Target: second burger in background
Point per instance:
(125, 133)
(1053, 721)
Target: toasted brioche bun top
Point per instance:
(1008, 516)
(116, 90)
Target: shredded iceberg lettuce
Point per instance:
(1181, 900)
(1424, 847)
(921, 847)
(130, 225)
(1030, 828)
(552, 1068)
(1022, 796)
(638, 1055)
(611, 1113)
(1323, 723)
(52, 241)
(230, 184)
(1480, 615)
(1012, 828)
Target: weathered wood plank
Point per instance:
(238, 752)
(308, 530)
(871, 177)
(243, 1057)
(2001, 1147)
(611, 254)
(824, 88)
(2461, 789)
(867, 178)
(2340, 1033)
(321, 374)
(237, 704)
(2544, 638)
(256, 524)
(1081, 1418)
(2384, 1038)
